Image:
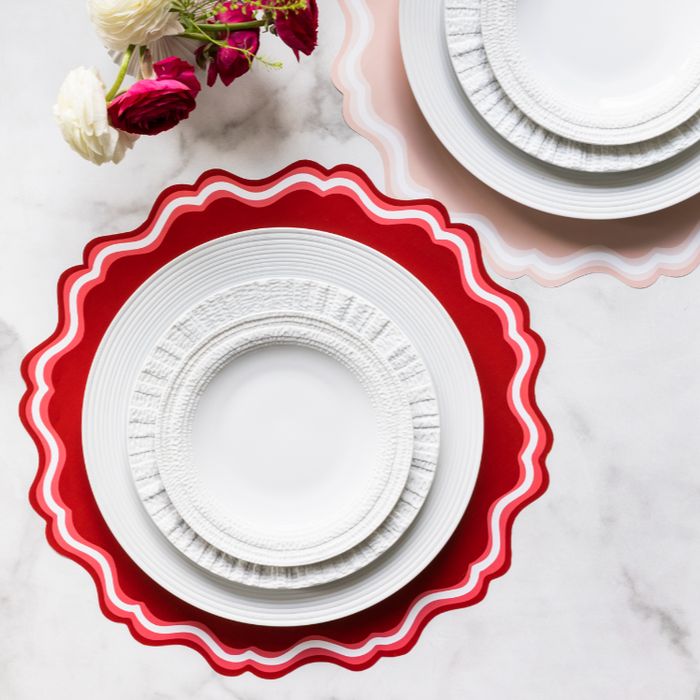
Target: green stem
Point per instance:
(123, 66)
(236, 26)
(199, 36)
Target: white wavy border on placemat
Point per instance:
(37, 370)
(511, 262)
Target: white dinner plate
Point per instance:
(476, 76)
(240, 258)
(503, 166)
(295, 472)
(601, 71)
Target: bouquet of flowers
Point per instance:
(160, 43)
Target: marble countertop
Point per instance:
(602, 598)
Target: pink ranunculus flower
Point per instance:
(299, 30)
(152, 106)
(229, 64)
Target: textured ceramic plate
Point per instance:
(506, 168)
(241, 258)
(283, 433)
(601, 72)
(475, 74)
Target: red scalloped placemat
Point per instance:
(416, 234)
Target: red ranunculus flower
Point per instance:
(229, 64)
(152, 106)
(299, 30)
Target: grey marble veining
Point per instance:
(601, 600)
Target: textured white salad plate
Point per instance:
(476, 76)
(283, 433)
(602, 71)
(503, 166)
(205, 271)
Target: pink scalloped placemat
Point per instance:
(516, 239)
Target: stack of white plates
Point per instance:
(282, 427)
(588, 109)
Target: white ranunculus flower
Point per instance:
(81, 112)
(141, 22)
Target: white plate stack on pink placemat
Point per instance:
(588, 111)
